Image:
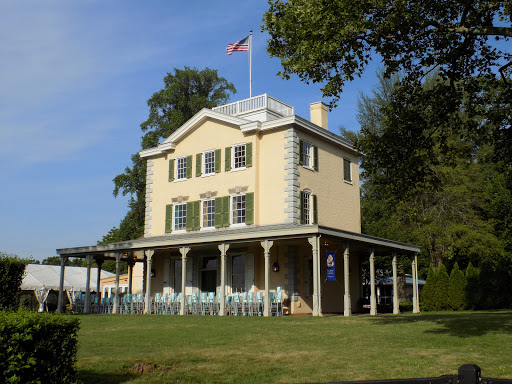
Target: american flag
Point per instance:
(239, 46)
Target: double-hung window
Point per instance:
(180, 217)
(181, 168)
(238, 209)
(347, 174)
(208, 213)
(239, 156)
(308, 155)
(308, 208)
(209, 163)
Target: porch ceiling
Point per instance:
(247, 234)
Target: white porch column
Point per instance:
(223, 248)
(63, 260)
(415, 300)
(87, 302)
(347, 304)
(396, 307)
(183, 251)
(373, 298)
(99, 263)
(314, 244)
(417, 282)
(267, 244)
(130, 275)
(147, 301)
(115, 307)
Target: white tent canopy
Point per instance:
(37, 275)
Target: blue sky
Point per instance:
(75, 77)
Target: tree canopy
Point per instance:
(185, 92)
(333, 41)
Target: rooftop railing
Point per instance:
(256, 103)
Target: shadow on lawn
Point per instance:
(458, 324)
(90, 377)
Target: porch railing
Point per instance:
(256, 103)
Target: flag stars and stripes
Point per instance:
(239, 46)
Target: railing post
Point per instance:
(470, 374)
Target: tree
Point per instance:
(12, 269)
(333, 41)
(456, 292)
(428, 302)
(441, 289)
(472, 279)
(185, 92)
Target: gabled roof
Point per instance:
(201, 116)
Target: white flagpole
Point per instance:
(250, 64)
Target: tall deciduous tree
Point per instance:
(185, 92)
(333, 41)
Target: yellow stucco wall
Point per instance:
(265, 177)
(338, 201)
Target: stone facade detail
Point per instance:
(292, 177)
(149, 190)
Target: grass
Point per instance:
(203, 349)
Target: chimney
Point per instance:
(318, 112)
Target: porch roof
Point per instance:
(244, 235)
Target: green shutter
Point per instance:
(197, 215)
(301, 152)
(189, 167)
(217, 160)
(168, 218)
(315, 210)
(248, 155)
(225, 211)
(315, 158)
(218, 212)
(171, 170)
(227, 159)
(249, 208)
(189, 225)
(198, 164)
(301, 205)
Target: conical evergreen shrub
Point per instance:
(441, 289)
(428, 300)
(457, 286)
(472, 277)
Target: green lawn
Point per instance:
(204, 349)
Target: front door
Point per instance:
(208, 281)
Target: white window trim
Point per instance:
(311, 163)
(231, 224)
(174, 218)
(203, 228)
(233, 169)
(177, 178)
(203, 165)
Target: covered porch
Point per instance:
(263, 270)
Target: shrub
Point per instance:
(12, 269)
(457, 286)
(38, 348)
(441, 289)
(428, 301)
(471, 287)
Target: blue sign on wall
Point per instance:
(331, 268)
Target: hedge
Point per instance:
(38, 347)
(12, 270)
